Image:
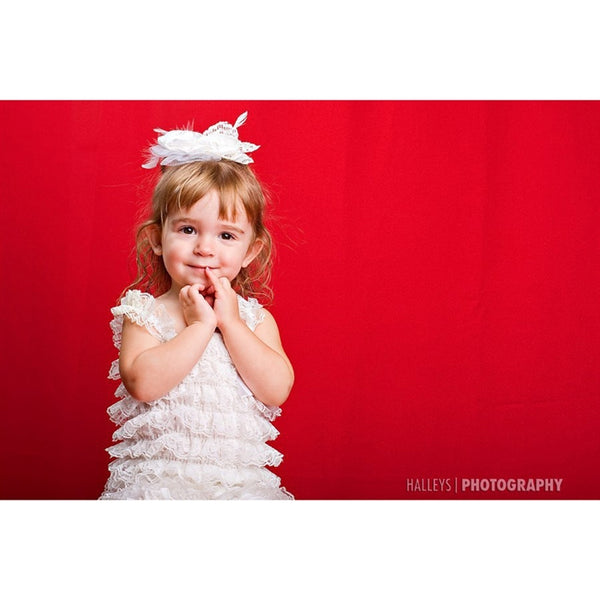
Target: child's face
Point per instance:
(197, 238)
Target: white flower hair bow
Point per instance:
(182, 146)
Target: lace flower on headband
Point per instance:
(182, 146)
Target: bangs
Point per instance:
(181, 187)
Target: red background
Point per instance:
(436, 287)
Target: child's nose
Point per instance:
(204, 245)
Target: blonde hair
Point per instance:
(179, 188)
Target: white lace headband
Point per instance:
(182, 146)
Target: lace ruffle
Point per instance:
(176, 480)
(195, 421)
(173, 490)
(176, 445)
(128, 471)
(214, 397)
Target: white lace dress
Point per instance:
(205, 439)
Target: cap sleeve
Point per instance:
(251, 311)
(140, 308)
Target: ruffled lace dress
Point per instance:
(206, 439)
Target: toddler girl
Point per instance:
(202, 368)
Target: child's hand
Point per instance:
(225, 300)
(196, 308)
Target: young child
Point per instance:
(202, 367)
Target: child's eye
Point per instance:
(187, 229)
(227, 236)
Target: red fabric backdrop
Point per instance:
(436, 287)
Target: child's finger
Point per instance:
(213, 278)
(210, 300)
(183, 292)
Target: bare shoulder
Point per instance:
(268, 325)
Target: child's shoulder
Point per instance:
(145, 302)
(143, 309)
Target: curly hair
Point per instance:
(179, 188)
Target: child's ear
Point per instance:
(253, 252)
(154, 237)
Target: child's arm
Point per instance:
(149, 368)
(258, 356)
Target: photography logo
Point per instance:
(482, 485)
